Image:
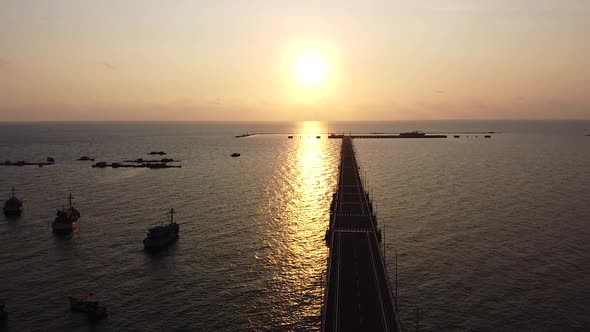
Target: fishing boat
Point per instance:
(235, 154)
(13, 206)
(161, 236)
(66, 220)
(88, 305)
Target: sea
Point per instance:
(480, 234)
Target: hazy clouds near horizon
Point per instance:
(232, 60)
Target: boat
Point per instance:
(88, 305)
(100, 164)
(67, 219)
(50, 160)
(85, 158)
(3, 314)
(289, 136)
(115, 165)
(13, 206)
(161, 236)
(413, 134)
(161, 153)
(235, 154)
(318, 137)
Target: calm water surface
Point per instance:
(489, 233)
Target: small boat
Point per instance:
(457, 136)
(67, 219)
(100, 164)
(289, 136)
(88, 305)
(13, 206)
(487, 136)
(161, 153)
(235, 154)
(413, 134)
(115, 165)
(85, 158)
(161, 236)
(50, 160)
(3, 314)
(318, 137)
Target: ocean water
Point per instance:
(489, 234)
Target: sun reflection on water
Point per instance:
(299, 198)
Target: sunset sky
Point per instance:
(306, 60)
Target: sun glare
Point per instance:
(311, 69)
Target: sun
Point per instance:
(311, 69)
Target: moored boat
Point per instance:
(88, 305)
(13, 206)
(3, 314)
(235, 154)
(66, 220)
(161, 236)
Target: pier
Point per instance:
(358, 295)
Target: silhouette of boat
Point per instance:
(161, 236)
(413, 134)
(100, 164)
(3, 314)
(50, 160)
(85, 158)
(289, 136)
(161, 153)
(66, 219)
(13, 206)
(88, 305)
(235, 154)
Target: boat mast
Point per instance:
(70, 200)
(172, 215)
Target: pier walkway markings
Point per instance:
(358, 296)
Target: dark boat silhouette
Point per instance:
(235, 154)
(66, 220)
(3, 314)
(161, 236)
(88, 305)
(13, 206)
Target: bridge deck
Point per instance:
(358, 295)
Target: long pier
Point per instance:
(358, 295)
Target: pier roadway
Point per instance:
(358, 296)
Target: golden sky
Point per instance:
(306, 60)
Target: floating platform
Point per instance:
(147, 165)
(163, 160)
(386, 136)
(26, 163)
